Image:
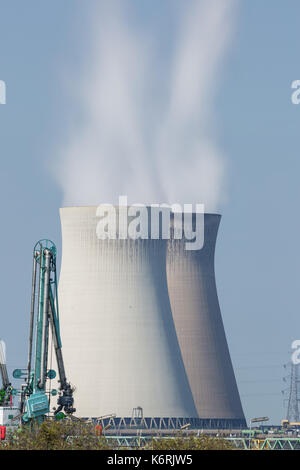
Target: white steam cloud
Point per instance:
(146, 126)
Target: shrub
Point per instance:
(202, 442)
(55, 435)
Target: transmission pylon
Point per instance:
(294, 394)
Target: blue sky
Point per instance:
(257, 258)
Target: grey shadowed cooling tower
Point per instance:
(200, 331)
(119, 341)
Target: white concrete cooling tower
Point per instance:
(200, 331)
(119, 341)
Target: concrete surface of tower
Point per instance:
(120, 343)
(200, 330)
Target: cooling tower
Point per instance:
(200, 331)
(119, 341)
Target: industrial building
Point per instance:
(120, 343)
(200, 330)
(142, 328)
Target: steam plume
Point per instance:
(149, 136)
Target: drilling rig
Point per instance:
(44, 315)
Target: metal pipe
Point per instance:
(4, 375)
(45, 322)
(38, 322)
(3, 368)
(31, 316)
(57, 347)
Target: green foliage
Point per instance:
(70, 434)
(180, 442)
(5, 394)
(56, 435)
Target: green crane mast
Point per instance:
(44, 310)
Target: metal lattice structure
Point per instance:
(269, 443)
(168, 423)
(294, 395)
(279, 443)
